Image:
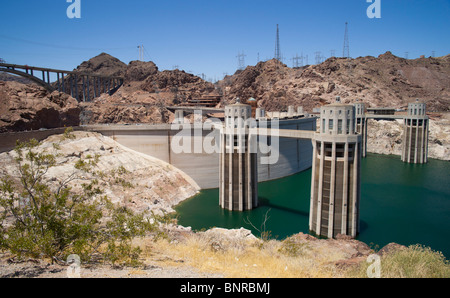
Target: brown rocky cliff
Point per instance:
(384, 81)
(30, 107)
(145, 95)
(103, 64)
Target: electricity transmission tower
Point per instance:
(319, 57)
(277, 45)
(241, 61)
(346, 52)
(295, 63)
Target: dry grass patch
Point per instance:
(246, 258)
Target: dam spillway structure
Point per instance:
(361, 125)
(335, 182)
(415, 134)
(238, 172)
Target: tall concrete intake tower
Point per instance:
(238, 172)
(335, 183)
(361, 125)
(415, 134)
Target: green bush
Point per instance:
(415, 261)
(290, 247)
(50, 220)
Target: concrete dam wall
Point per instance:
(295, 155)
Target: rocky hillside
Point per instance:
(383, 81)
(103, 64)
(139, 181)
(385, 137)
(6, 77)
(145, 94)
(31, 107)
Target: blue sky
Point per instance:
(205, 36)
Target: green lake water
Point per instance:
(402, 203)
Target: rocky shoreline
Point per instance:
(385, 137)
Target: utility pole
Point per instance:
(277, 45)
(141, 52)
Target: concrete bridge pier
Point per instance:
(335, 182)
(415, 134)
(238, 172)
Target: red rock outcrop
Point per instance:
(30, 107)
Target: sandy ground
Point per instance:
(157, 268)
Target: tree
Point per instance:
(53, 220)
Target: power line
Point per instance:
(59, 46)
(146, 53)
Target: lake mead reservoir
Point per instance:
(400, 202)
